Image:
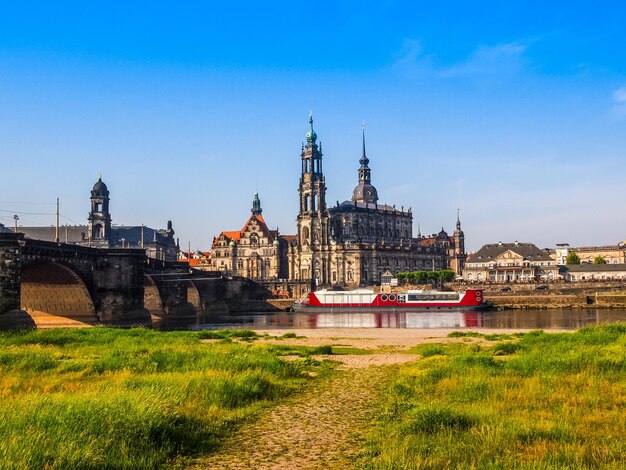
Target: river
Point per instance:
(566, 319)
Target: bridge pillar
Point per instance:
(118, 287)
(174, 292)
(10, 282)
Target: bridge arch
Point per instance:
(194, 297)
(152, 300)
(51, 290)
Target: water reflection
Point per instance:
(532, 319)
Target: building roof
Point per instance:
(100, 186)
(432, 240)
(79, 233)
(528, 251)
(235, 235)
(590, 267)
(351, 206)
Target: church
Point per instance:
(351, 244)
(99, 232)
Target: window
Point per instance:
(97, 231)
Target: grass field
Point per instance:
(112, 398)
(532, 400)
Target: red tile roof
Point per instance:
(235, 235)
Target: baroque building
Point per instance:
(99, 232)
(255, 251)
(353, 243)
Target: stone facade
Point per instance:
(255, 251)
(612, 254)
(356, 241)
(594, 272)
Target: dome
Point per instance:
(365, 193)
(442, 235)
(276, 242)
(100, 186)
(232, 243)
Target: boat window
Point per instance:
(384, 298)
(401, 298)
(392, 297)
(451, 296)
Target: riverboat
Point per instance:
(367, 299)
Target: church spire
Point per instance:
(311, 136)
(364, 156)
(458, 219)
(364, 192)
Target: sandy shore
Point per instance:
(375, 339)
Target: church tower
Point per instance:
(313, 216)
(99, 220)
(459, 246)
(365, 192)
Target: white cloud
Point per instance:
(485, 61)
(619, 103)
(619, 95)
(501, 59)
(410, 60)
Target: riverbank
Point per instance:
(115, 398)
(531, 400)
(372, 398)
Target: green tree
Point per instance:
(572, 259)
(599, 260)
(446, 275)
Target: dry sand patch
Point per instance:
(383, 340)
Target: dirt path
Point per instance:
(323, 427)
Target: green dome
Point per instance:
(232, 243)
(276, 242)
(311, 136)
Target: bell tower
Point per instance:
(313, 217)
(312, 183)
(459, 246)
(99, 220)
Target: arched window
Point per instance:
(305, 235)
(97, 231)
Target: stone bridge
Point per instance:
(42, 280)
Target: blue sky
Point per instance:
(514, 112)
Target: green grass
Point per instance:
(538, 400)
(112, 398)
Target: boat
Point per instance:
(366, 299)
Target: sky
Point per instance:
(512, 112)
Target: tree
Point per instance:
(599, 260)
(572, 259)
(446, 275)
